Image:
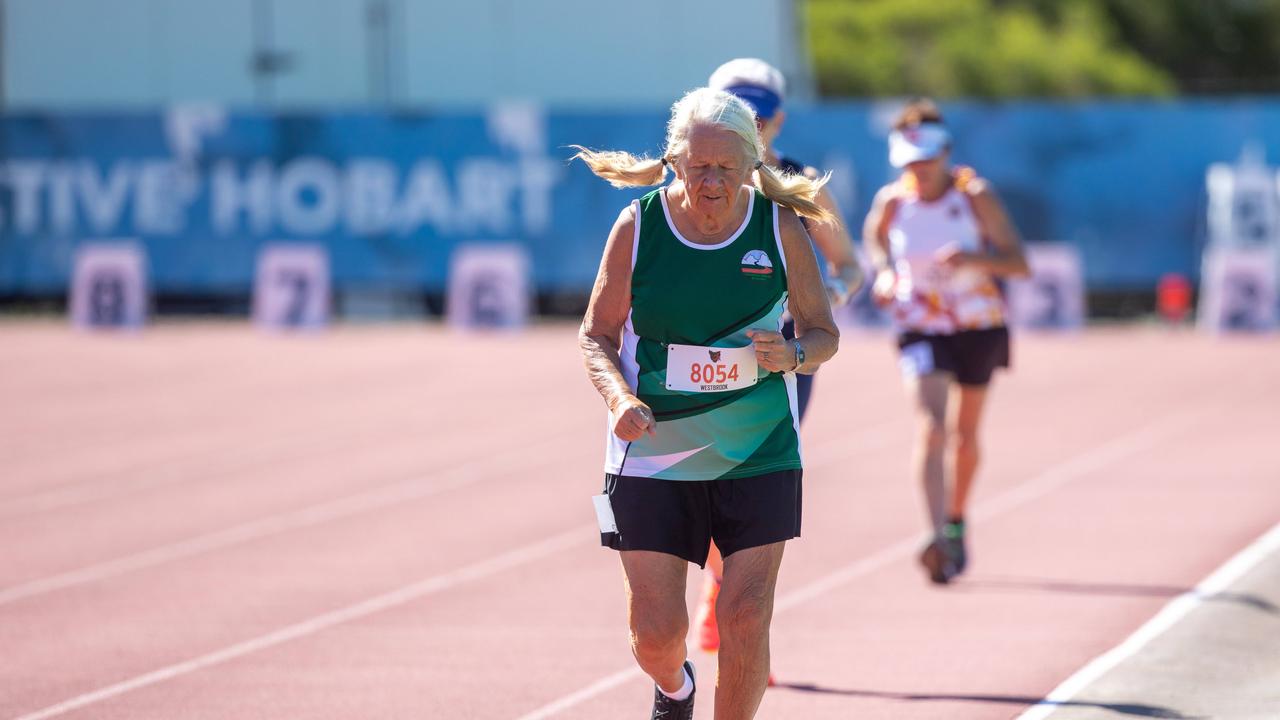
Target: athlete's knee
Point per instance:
(966, 440)
(745, 612)
(933, 434)
(655, 636)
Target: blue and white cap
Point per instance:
(920, 142)
(754, 81)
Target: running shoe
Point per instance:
(953, 533)
(664, 708)
(937, 561)
(708, 630)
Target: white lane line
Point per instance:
(1100, 457)
(301, 444)
(82, 492)
(1091, 461)
(598, 687)
(377, 499)
(389, 496)
(503, 562)
(1170, 615)
(874, 437)
(408, 593)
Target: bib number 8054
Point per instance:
(708, 373)
(695, 368)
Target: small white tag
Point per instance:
(917, 359)
(604, 514)
(694, 368)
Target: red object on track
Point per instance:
(1173, 297)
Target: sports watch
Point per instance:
(799, 355)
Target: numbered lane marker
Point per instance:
(1243, 207)
(109, 285)
(291, 289)
(1238, 289)
(489, 287)
(1053, 297)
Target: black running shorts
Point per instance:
(682, 517)
(971, 355)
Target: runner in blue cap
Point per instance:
(682, 340)
(763, 87)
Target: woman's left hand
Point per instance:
(773, 351)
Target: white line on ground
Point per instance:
(389, 496)
(1115, 450)
(1175, 611)
(875, 436)
(1095, 459)
(1102, 456)
(89, 490)
(438, 583)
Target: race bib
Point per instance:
(916, 359)
(693, 368)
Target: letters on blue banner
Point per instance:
(391, 196)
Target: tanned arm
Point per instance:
(601, 333)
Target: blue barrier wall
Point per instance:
(392, 195)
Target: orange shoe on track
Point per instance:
(708, 630)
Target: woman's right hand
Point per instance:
(885, 287)
(632, 419)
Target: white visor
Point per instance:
(922, 142)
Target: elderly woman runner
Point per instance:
(682, 341)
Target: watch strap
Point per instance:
(799, 350)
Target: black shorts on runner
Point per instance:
(682, 517)
(971, 355)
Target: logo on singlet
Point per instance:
(757, 262)
(715, 355)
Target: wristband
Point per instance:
(799, 355)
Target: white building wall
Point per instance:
(121, 54)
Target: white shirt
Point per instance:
(932, 298)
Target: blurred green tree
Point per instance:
(1043, 48)
(1208, 46)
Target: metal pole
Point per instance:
(263, 62)
(378, 50)
(4, 52)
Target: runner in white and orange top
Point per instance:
(939, 239)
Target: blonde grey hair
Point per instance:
(705, 106)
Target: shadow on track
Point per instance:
(1050, 585)
(1130, 709)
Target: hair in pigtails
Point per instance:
(796, 192)
(711, 107)
(622, 169)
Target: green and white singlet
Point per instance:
(687, 294)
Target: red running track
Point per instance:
(206, 522)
